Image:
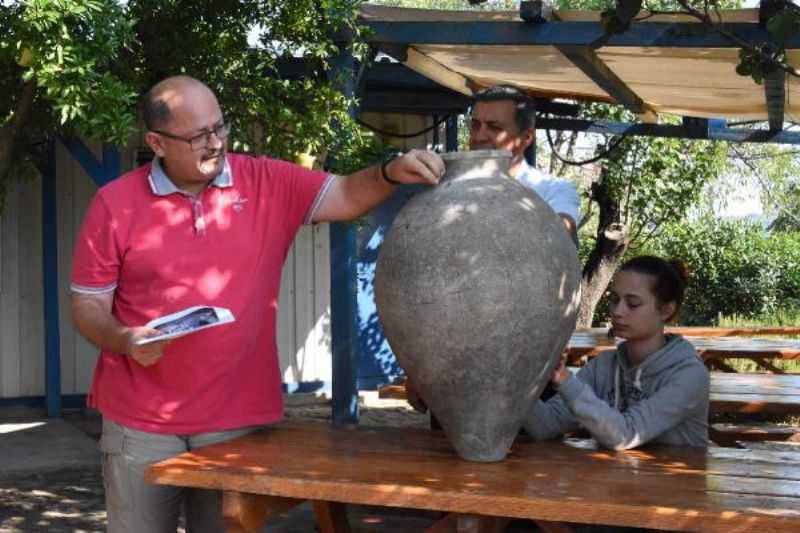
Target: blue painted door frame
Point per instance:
(101, 173)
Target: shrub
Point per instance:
(738, 268)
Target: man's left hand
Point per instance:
(416, 166)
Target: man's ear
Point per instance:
(528, 137)
(155, 142)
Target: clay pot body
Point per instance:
(476, 288)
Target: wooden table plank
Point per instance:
(670, 488)
(595, 340)
(755, 393)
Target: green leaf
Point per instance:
(783, 25)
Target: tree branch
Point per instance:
(11, 131)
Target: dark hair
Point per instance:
(669, 277)
(155, 111)
(524, 116)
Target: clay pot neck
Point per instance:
(475, 164)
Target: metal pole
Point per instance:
(344, 324)
(52, 337)
(451, 134)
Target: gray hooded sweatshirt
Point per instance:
(663, 400)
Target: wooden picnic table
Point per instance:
(672, 488)
(713, 344)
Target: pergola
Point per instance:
(666, 65)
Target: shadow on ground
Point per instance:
(57, 501)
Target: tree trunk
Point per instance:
(603, 261)
(10, 133)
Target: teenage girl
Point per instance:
(652, 388)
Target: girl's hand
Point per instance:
(560, 374)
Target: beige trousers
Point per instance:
(134, 506)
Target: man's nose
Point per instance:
(212, 141)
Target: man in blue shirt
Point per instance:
(503, 119)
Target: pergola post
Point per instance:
(344, 326)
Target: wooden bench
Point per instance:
(736, 434)
(726, 343)
(730, 393)
(755, 393)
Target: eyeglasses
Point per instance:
(200, 141)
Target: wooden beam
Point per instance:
(558, 33)
(590, 64)
(429, 68)
(669, 131)
(775, 93)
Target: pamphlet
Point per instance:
(187, 321)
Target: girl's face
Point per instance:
(635, 311)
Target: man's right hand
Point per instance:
(94, 320)
(145, 354)
(413, 398)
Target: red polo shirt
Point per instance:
(161, 251)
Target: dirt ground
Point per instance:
(71, 500)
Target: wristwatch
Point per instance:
(388, 159)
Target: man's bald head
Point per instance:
(168, 95)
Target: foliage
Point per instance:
(737, 267)
(91, 59)
(781, 317)
(655, 180)
(788, 219)
(450, 4)
(284, 116)
(757, 60)
(773, 169)
(70, 49)
(641, 184)
(59, 75)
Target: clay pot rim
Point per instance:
(475, 154)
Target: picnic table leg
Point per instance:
(331, 517)
(763, 363)
(248, 512)
(718, 364)
(469, 523)
(554, 527)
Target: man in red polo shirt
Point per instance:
(198, 226)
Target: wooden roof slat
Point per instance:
(590, 64)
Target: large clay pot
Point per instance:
(477, 290)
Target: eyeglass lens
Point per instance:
(200, 142)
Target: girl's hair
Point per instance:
(669, 277)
